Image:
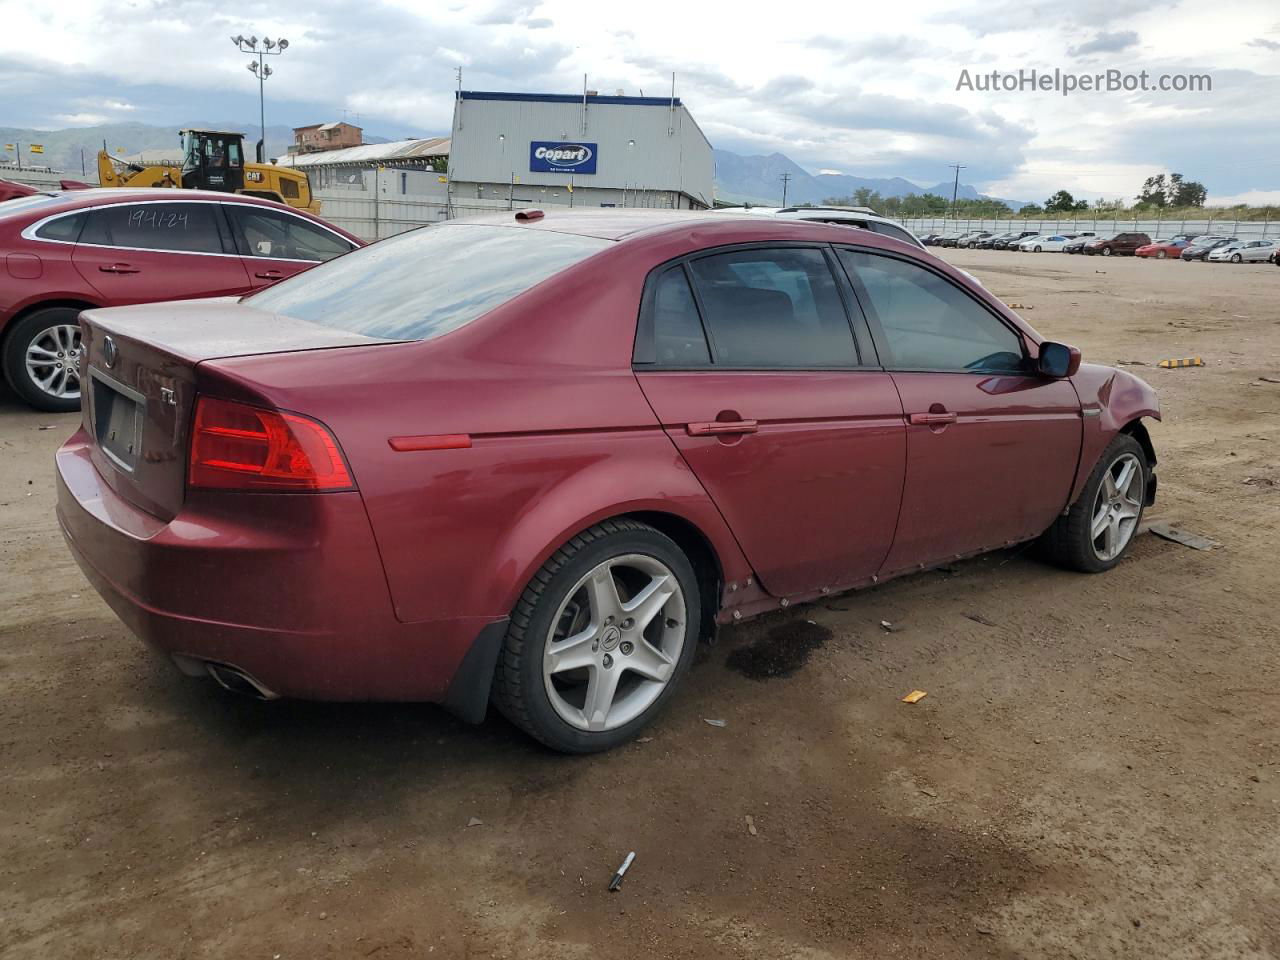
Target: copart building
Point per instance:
(578, 149)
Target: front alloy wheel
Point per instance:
(1094, 533)
(1117, 507)
(1106, 251)
(600, 638)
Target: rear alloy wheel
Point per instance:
(600, 638)
(1161, 255)
(1106, 251)
(42, 359)
(1094, 534)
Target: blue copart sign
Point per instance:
(552, 157)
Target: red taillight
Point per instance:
(241, 447)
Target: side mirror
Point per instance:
(1057, 360)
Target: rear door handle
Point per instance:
(119, 268)
(931, 419)
(716, 428)
(269, 275)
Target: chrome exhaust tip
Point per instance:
(236, 680)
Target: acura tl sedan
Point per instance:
(533, 460)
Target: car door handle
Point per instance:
(931, 419)
(717, 428)
(270, 275)
(119, 268)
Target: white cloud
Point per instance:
(881, 103)
(1254, 198)
(81, 119)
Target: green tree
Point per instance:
(1189, 193)
(1063, 202)
(1154, 191)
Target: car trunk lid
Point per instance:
(139, 385)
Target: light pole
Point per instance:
(259, 68)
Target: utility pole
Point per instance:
(955, 189)
(269, 48)
(785, 178)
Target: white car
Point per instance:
(1049, 242)
(852, 217)
(1244, 251)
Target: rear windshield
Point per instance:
(424, 283)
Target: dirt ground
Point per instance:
(1095, 771)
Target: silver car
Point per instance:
(1245, 251)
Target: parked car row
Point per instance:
(75, 250)
(1215, 249)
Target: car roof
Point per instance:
(622, 224)
(96, 195)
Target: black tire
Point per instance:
(519, 691)
(1067, 543)
(20, 336)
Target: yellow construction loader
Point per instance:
(212, 160)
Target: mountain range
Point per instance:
(758, 180)
(740, 179)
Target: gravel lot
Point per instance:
(1095, 771)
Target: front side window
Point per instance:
(427, 282)
(928, 323)
(771, 308)
(282, 236)
(172, 227)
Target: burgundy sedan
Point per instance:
(65, 252)
(536, 459)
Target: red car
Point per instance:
(65, 252)
(1163, 249)
(11, 189)
(536, 459)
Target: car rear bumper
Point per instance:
(287, 589)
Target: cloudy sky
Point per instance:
(856, 87)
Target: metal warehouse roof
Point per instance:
(569, 98)
(371, 153)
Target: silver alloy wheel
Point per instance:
(53, 361)
(614, 643)
(1117, 508)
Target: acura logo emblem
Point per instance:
(110, 353)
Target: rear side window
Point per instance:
(927, 322)
(171, 227)
(889, 230)
(67, 229)
(426, 282)
(677, 330)
(270, 233)
(773, 308)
